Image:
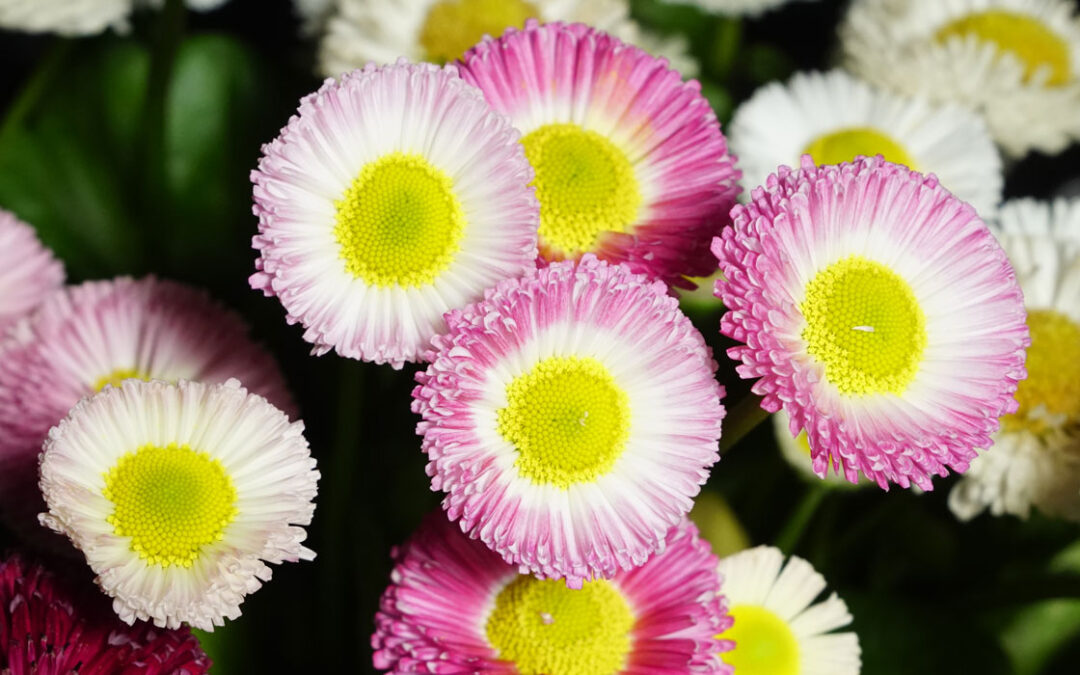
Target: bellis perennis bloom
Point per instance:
(28, 271)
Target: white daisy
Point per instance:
(777, 630)
(1017, 62)
(834, 117)
(381, 31)
(751, 8)
(1035, 459)
(177, 494)
(65, 17)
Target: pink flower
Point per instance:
(28, 270)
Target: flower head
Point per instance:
(394, 196)
(455, 607)
(630, 161)
(28, 270)
(879, 312)
(64, 16)
(177, 494)
(777, 630)
(47, 626)
(571, 416)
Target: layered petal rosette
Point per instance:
(178, 495)
(778, 628)
(28, 270)
(1035, 459)
(395, 195)
(48, 626)
(100, 333)
(879, 312)
(571, 417)
(630, 161)
(453, 606)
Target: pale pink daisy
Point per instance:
(630, 161)
(879, 312)
(100, 333)
(455, 607)
(571, 417)
(395, 195)
(28, 270)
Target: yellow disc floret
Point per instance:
(864, 324)
(845, 144)
(585, 185)
(545, 628)
(170, 501)
(117, 376)
(1025, 37)
(764, 643)
(568, 419)
(452, 27)
(399, 223)
(1050, 396)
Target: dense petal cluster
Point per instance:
(28, 271)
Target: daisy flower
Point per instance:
(835, 117)
(777, 630)
(394, 196)
(177, 494)
(1017, 62)
(440, 31)
(28, 270)
(454, 607)
(1035, 460)
(100, 333)
(879, 312)
(630, 162)
(571, 417)
(65, 17)
(47, 626)
(750, 8)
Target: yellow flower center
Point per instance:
(764, 644)
(452, 27)
(119, 375)
(1026, 38)
(1052, 387)
(585, 186)
(568, 419)
(846, 144)
(399, 223)
(545, 628)
(171, 501)
(865, 325)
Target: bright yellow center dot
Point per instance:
(545, 628)
(846, 144)
(399, 223)
(568, 419)
(1026, 38)
(585, 186)
(171, 501)
(1052, 387)
(764, 644)
(865, 325)
(452, 27)
(119, 375)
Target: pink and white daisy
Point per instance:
(571, 417)
(28, 270)
(454, 607)
(630, 161)
(100, 333)
(395, 195)
(879, 312)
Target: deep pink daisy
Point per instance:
(46, 628)
(571, 417)
(28, 270)
(455, 607)
(630, 161)
(879, 312)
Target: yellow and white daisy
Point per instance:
(777, 630)
(1035, 458)
(65, 17)
(178, 496)
(1017, 62)
(834, 117)
(440, 31)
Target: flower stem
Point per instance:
(741, 420)
(36, 86)
(793, 531)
